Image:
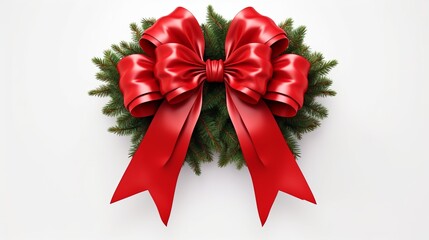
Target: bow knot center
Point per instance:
(214, 70)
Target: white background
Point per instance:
(367, 164)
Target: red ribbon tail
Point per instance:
(157, 162)
(271, 164)
(267, 183)
(136, 180)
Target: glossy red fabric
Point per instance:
(167, 81)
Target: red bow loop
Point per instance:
(180, 27)
(180, 71)
(286, 88)
(248, 70)
(138, 85)
(248, 26)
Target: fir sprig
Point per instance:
(214, 131)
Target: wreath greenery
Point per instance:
(214, 131)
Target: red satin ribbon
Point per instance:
(167, 81)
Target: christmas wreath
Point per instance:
(175, 63)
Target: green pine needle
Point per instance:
(147, 23)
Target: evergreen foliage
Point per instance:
(214, 131)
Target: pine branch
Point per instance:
(219, 27)
(119, 51)
(292, 142)
(137, 32)
(296, 37)
(101, 63)
(147, 23)
(316, 110)
(210, 40)
(112, 58)
(300, 124)
(287, 25)
(106, 77)
(210, 131)
(130, 48)
(101, 91)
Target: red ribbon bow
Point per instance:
(167, 82)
